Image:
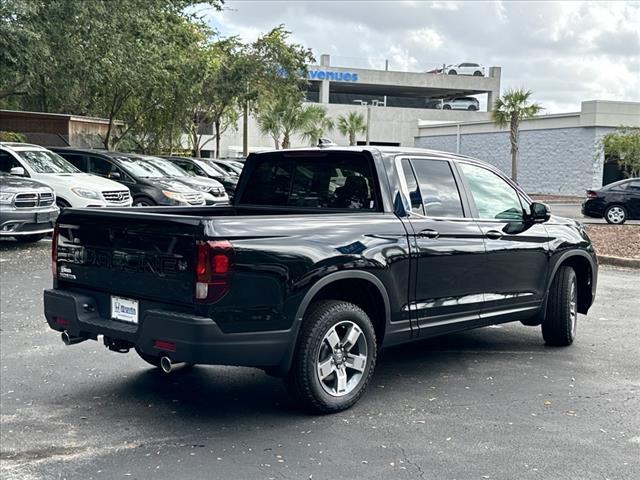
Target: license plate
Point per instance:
(124, 309)
(43, 217)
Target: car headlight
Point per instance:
(201, 188)
(6, 197)
(85, 193)
(178, 197)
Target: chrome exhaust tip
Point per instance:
(165, 364)
(71, 340)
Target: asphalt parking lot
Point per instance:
(493, 403)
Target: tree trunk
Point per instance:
(216, 125)
(286, 143)
(514, 148)
(245, 129)
(352, 138)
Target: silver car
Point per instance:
(461, 103)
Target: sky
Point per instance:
(565, 52)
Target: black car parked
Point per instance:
(148, 185)
(202, 168)
(616, 202)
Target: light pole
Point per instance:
(364, 103)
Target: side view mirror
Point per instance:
(115, 176)
(540, 212)
(17, 171)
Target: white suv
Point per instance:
(465, 69)
(72, 187)
(461, 103)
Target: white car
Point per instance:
(72, 187)
(461, 103)
(465, 69)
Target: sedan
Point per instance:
(616, 202)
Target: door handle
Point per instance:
(493, 235)
(428, 233)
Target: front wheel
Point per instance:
(561, 320)
(143, 202)
(335, 357)
(452, 72)
(615, 214)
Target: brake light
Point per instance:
(213, 270)
(54, 252)
(592, 194)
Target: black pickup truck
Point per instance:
(326, 256)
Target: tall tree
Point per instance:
(510, 109)
(351, 125)
(316, 123)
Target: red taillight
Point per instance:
(54, 252)
(592, 194)
(213, 270)
(62, 321)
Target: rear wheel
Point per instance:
(335, 357)
(477, 73)
(30, 238)
(615, 214)
(472, 108)
(446, 107)
(561, 320)
(452, 72)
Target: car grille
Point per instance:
(117, 196)
(33, 200)
(194, 198)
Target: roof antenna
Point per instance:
(325, 142)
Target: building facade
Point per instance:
(396, 102)
(558, 154)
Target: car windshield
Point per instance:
(170, 169)
(43, 161)
(210, 168)
(139, 167)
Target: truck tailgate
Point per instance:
(129, 254)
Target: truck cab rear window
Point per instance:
(329, 181)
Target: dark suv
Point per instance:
(148, 185)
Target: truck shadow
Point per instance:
(231, 396)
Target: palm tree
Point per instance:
(269, 118)
(315, 123)
(351, 125)
(512, 107)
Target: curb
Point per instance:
(619, 261)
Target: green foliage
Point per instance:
(510, 109)
(351, 125)
(624, 145)
(12, 137)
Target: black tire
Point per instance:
(62, 203)
(304, 381)
(143, 202)
(559, 325)
(615, 214)
(477, 73)
(472, 108)
(452, 72)
(30, 238)
(446, 107)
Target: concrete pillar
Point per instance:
(325, 61)
(494, 94)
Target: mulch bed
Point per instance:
(615, 240)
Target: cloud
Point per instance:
(566, 52)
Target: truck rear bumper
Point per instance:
(183, 338)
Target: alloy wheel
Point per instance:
(342, 359)
(573, 308)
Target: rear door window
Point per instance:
(329, 180)
(439, 194)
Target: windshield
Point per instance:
(210, 169)
(43, 161)
(228, 169)
(139, 167)
(170, 169)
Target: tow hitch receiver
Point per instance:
(116, 345)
